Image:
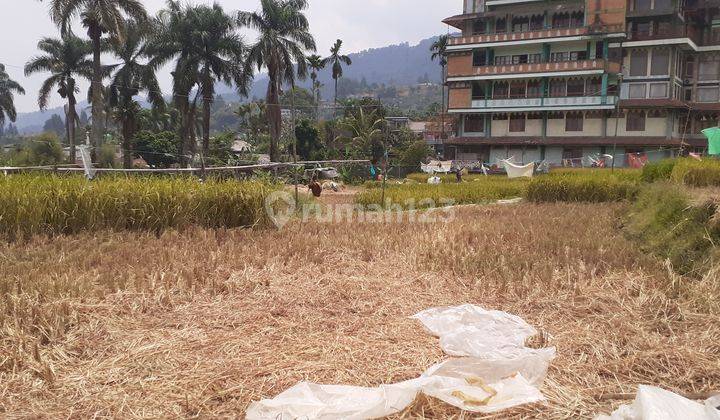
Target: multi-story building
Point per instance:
(564, 79)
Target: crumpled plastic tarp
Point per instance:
(494, 372)
(652, 403)
(437, 166)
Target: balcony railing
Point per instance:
(665, 33)
(563, 66)
(519, 36)
(573, 101)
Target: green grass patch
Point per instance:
(695, 173)
(658, 171)
(666, 222)
(417, 195)
(591, 186)
(48, 204)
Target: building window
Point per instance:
(559, 57)
(642, 5)
(561, 20)
(478, 91)
(708, 94)
(521, 24)
(501, 26)
(517, 89)
(478, 27)
(660, 62)
(690, 67)
(637, 90)
(638, 63)
(709, 68)
(574, 121)
(576, 87)
(534, 88)
(479, 58)
(474, 124)
(594, 87)
(658, 90)
(635, 121)
(557, 88)
(500, 90)
(577, 19)
(537, 22)
(662, 4)
(517, 123)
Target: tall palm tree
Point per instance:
(132, 76)
(65, 59)
(315, 64)
(337, 61)
(99, 17)
(208, 49)
(363, 132)
(283, 39)
(8, 88)
(439, 52)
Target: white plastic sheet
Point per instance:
(516, 171)
(434, 180)
(497, 372)
(652, 403)
(87, 161)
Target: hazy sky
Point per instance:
(361, 24)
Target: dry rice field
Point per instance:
(201, 323)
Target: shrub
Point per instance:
(658, 171)
(47, 204)
(697, 173)
(593, 187)
(665, 221)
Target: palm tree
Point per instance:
(8, 88)
(98, 17)
(208, 49)
(439, 51)
(131, 77)
(283, 38)
(365, 134)
(65, 59)
(315, 64)
(337, 61)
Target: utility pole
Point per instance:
(294, 134)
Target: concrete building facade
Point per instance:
(559, 80)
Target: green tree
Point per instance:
(159, 150)
(308, 140)
(99, 17)
(414, 153)
(55, 125)
(439, 52)
(209, 51)
(66, 59)
(337, 60)
(8, 89)
(301, 98)
(45, 149)
(363, 134)
(315, 64)
(132, 76)
(284, 37)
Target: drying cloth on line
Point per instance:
(637, 160)
(437, 166)
(492, 371)
(713, 136)
(516, 171)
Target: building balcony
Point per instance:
(665, 11)
(514, 71)
(541, 104)
(462, 41)
(665, 33)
